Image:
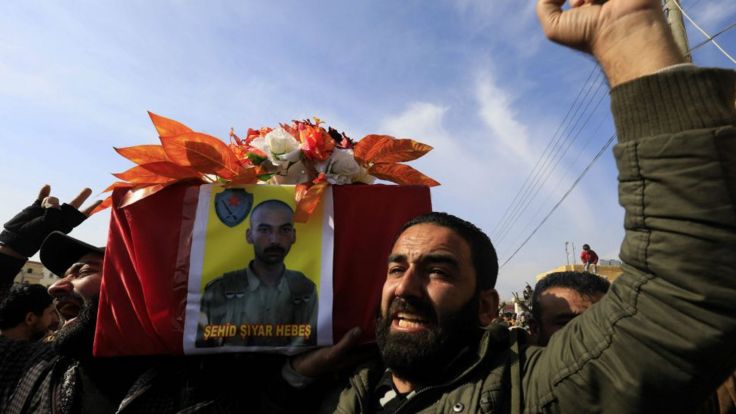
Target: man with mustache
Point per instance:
(663, 337)
(264, 293)
(62, 376)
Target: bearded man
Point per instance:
(62, 376)
(644, 346)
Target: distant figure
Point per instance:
(27, 313)
(589, 259)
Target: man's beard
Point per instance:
(272, 255)
(38, 334)
(75, 339)
(422, 357)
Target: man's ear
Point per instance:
(30, 319)
(249, 236)
(487, 307)
(533, 326)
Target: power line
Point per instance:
(549, 159)
(527, 193)
(708, 40)
(562, 146)
(705, 34)
(503, 221)
(564, 179)
(564, 196)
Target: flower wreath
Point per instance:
(301, 152)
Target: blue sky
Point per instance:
(473, 78)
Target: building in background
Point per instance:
(34, 273)
(610, 269)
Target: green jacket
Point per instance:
(664, 336)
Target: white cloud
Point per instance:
(451, 163)
(710, 15)
(507, 23)
(482, 161)
(496, 109)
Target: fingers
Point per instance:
(45, 191)
(81, 198)
(50, 202)
(346, 343)
(318, 362)
(549, 12)
(87, 211)
(53, 202)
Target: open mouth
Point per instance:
(408, 321)
(68, 309)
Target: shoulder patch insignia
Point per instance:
(233, 205)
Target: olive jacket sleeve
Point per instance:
(664, 336)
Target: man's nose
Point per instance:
(273, 238)
(62, 287)
(411, 284)
(54, 318)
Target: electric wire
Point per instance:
(564, 196)
(549, 165)
(552, 162)
(506, 223)
(704, 33)
(538, 211)
(504, 217)
(531, 185)
(708, 40)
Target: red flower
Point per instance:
(316, 143)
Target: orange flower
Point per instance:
(316, 143)
(253, 134)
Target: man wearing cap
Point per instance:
(62, 376)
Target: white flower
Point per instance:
(280, 142)
(342, 168)
(343, 162)
(259, 143)
(364, 177)
(296, 174)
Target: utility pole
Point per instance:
(567, 253)
(674, 18)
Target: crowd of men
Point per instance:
(659, 339)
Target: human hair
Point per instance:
(482, 252)
(271, 203)
(586, 247)
(586, 284)
(21, 299)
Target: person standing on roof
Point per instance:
(589, 258)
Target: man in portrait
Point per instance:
(263, 304)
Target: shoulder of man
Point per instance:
(233, 280)
(17, 358)
(299, 285)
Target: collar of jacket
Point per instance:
(491, 351)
